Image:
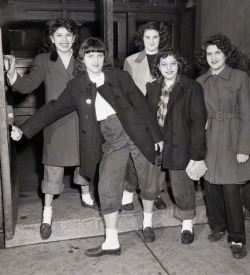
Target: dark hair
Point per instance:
(224, 44)
(164, 32)
(182, 63)
(52, 27)
(91, 44)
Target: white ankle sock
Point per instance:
(147, 219)
(187, 225)
(127, 197)
(47, 214)
(111, 240)
(87, 198)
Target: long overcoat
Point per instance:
(126, 99)
(184, 126)
(227, 98)
(57, 136)
(137, 66)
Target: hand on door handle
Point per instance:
(16, 133)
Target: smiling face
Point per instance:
(168, 67)
(93, 62)
(63, 40)
(216, 59)
(151, 40)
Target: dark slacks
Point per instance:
(117, 147)
(246, 195)
(225, 210)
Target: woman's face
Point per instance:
(216, 59)
(93, 62)
(168, 67)
(151, 40)
(63, 39)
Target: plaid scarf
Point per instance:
(163, 102)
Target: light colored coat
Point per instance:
(137, 66)
(61, 139)
(227, 98)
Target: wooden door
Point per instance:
(9, 183)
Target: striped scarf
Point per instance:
(163, 102)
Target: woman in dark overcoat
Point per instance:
(178, 103)
(227, 99)
(115, 121)
(61, 139)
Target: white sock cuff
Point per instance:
(187, 225)
(147, 219)
(127, 197)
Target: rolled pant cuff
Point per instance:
(238, 239)
(183, 214)
(79, 180)
(53, 188)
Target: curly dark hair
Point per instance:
(224, 44)
(91, 44)
(182, 63)
(164, 32)
(52, 27)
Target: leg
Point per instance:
(111, 182)
(215, 208)
(184, 209)
(87, 200)
(246, 199)
(235, 219)
(148, 179)
(159, 202)
(51, 185)
(131, 183)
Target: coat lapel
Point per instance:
(58, 65)
(174, 94)
(141, 63)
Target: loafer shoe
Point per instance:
(187, 237)
(45, 231)
(94, 206)
(215, 236)
(238, 251)
(128, 207)
(98, 252)
(148, 235)
(160, 203)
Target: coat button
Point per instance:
(84, 132)
(117, 97)
(175, 117)
(86, 117)
(146, 129)
(175, 145)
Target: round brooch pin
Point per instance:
(88, 101)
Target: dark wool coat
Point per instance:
(126, 99)
(184, 126)
(57, 136)
(225, 94)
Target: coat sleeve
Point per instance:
(139, 101)
(198, 119)
(243, 146)
(29, 82)
(49, 113)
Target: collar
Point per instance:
(109, 78)
(225, 73)
(141, 56)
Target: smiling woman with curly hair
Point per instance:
(227, 99)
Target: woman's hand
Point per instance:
(241, 158)
(16, 133)
(159, 146)
(9, 65)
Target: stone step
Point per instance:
(72, 221)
